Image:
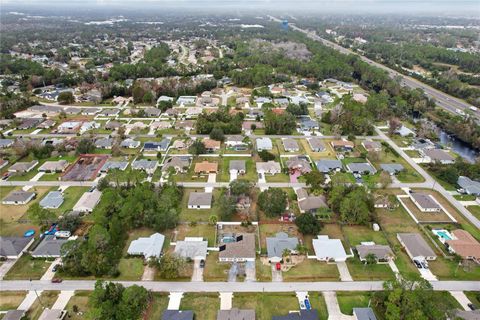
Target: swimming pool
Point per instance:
(443, 234)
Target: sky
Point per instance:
(445, 7)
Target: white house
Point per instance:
(329, 249)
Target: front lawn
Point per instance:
(204, 305)
(80, 301)
(157, 306)
(47, 299)
(10, 300)
(28, 268)
(349, 300)
(131, 269)
(264, 272)
(215, 270)
(359, 271)
(266, 305)
(312, 270)
(446, 269)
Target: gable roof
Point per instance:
(200, 199)
(300, 315)
(191, 248)
(469, 185)
(361, 167)
(329, 248)
(392, 168)
(19, 196)
(240, 249)
(438, 155)
(238, 165)
(364, 314)
(465, 244)
(53, 199)
(177, 315)
(148, 246)
(206, 166)
(49, 246)
(13, 246)
(416, 245)
(380, 251)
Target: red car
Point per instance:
(278, 266)
(57, 280)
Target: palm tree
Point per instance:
(286, 253)
(458, 260)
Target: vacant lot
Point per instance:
(28, 268)
(350, 300)
(157, 306)
(204, 305)
(266, 305)
(312, 270)
(80, 300)
(214, 270)
(358, 234)
(200, 230)
(360, 271)
(10, 300)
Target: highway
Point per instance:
(160, 286)
(442, 99)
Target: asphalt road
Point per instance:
(442, 99)
(157, 286)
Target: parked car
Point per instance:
(418, 264)
(55, 267)
(202, 263)
(57, 280)
(278, 266)
(471, 306)
(424, 265)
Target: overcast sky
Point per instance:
(448, 7)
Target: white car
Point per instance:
(473, 108)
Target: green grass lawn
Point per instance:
(474, 297)
(475, 210)
(205, 231)
(251, 171)
(279, 177)
(358, 234)
(11, 299)
(214, 270)
(264, 272)
(80, 300)
(190, 215)
(157, 306)
(204, 305)
(349, 300)
(359, 271)
(131, 269)
(47, 299)
(318, 302)
(71, 196)
(312, 270)
(465, 197)
(28, 268)
(266, 305)
(446, 269)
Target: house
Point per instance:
(179, 164)
(69, 127)
(185, 124)
(29, 123)
(5, 143)
(53, 166)
(438, 155)
(392, 168)
(193, 111)
(90, 111)
(236, 143)
(405, 132)
(299, 315)
(270, 167)
(361, 168)
(276, 246)
(342, 145)
(104, 143)
(186, 100)
(49, 247)
(290, 145)
(148, 166)
(298, 165)
(261, 100)
(326, 165)
(425, 202)
(165, 99)
(180, 144)
(307, 124)
(236, 314)
(109, 112)
(360, 97)
(148, 247)
(112, 125)
(87, 201)
(382, 253)
(329, 249)
(53, 314)
(14, 247)
(152, 112)
(240, 250)
(153, 146)
(200, 200)
(114, 165)
(237, 167)
(53, 200)
(23, 167)
(264, 144)
(249, 126)
(160, 125)
(316, 144)
(465, 245)
(177, 315)
(130, 143)
(211, 145)
(19, 197)
(206, 167)
(372, 146)
(416, 247)
(308, 203)
(47, 124)
(364, 314)
(468, 186)
(194, 248)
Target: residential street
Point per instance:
(68, 285)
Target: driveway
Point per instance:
(250, 271)
(276, 274)
(261, 178)
(233, 175)
(29, 300)
(461, 298)
(197, 275)
(427, 275)
(63, 299)
(394, 268)
(232, 273)
(174, 300)
(294, 177)
(148, 273)
(226, 300)
(333, 308)
(6, 266)
(49, 274)
(343, 270)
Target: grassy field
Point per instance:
(27, 268)
(266, 305)
(318, 302)
(350, 300)
(264, 272)
(10, 300)
(204, 305)
(214, 270)
(131, 269)
(446, 269)
(312, 270)
(279, 177)
(359, 271)
(358, 234)
(474, 297)
(80, 299)
(157, 306)
(475, 210)
(200, 230)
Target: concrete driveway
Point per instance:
(174, 300)
(294, 177)
(63, 299)
(49, 274)
(250, 271)
(333, 308)
(197, 271)
(427, 275)
(343, 270)
(232, 273)
(461, 298)
(233, 175)
(276, 274)
(6, 266)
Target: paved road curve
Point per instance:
(71, 285)
(442, 99)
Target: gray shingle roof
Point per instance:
(177, 315)
(392, 168)
(191, 249)
(238, 165)
(200, 199)
(52, 200)
(276, 245)
(328, 165)
(364, 314)
(49, 247)
(361, 167)
(236, 314)
(18, 196)
(13, 246)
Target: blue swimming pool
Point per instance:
(444, 234)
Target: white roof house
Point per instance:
(329, 249)
(264, 144)
(88, 201)
(192, 247)
(147, 247)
